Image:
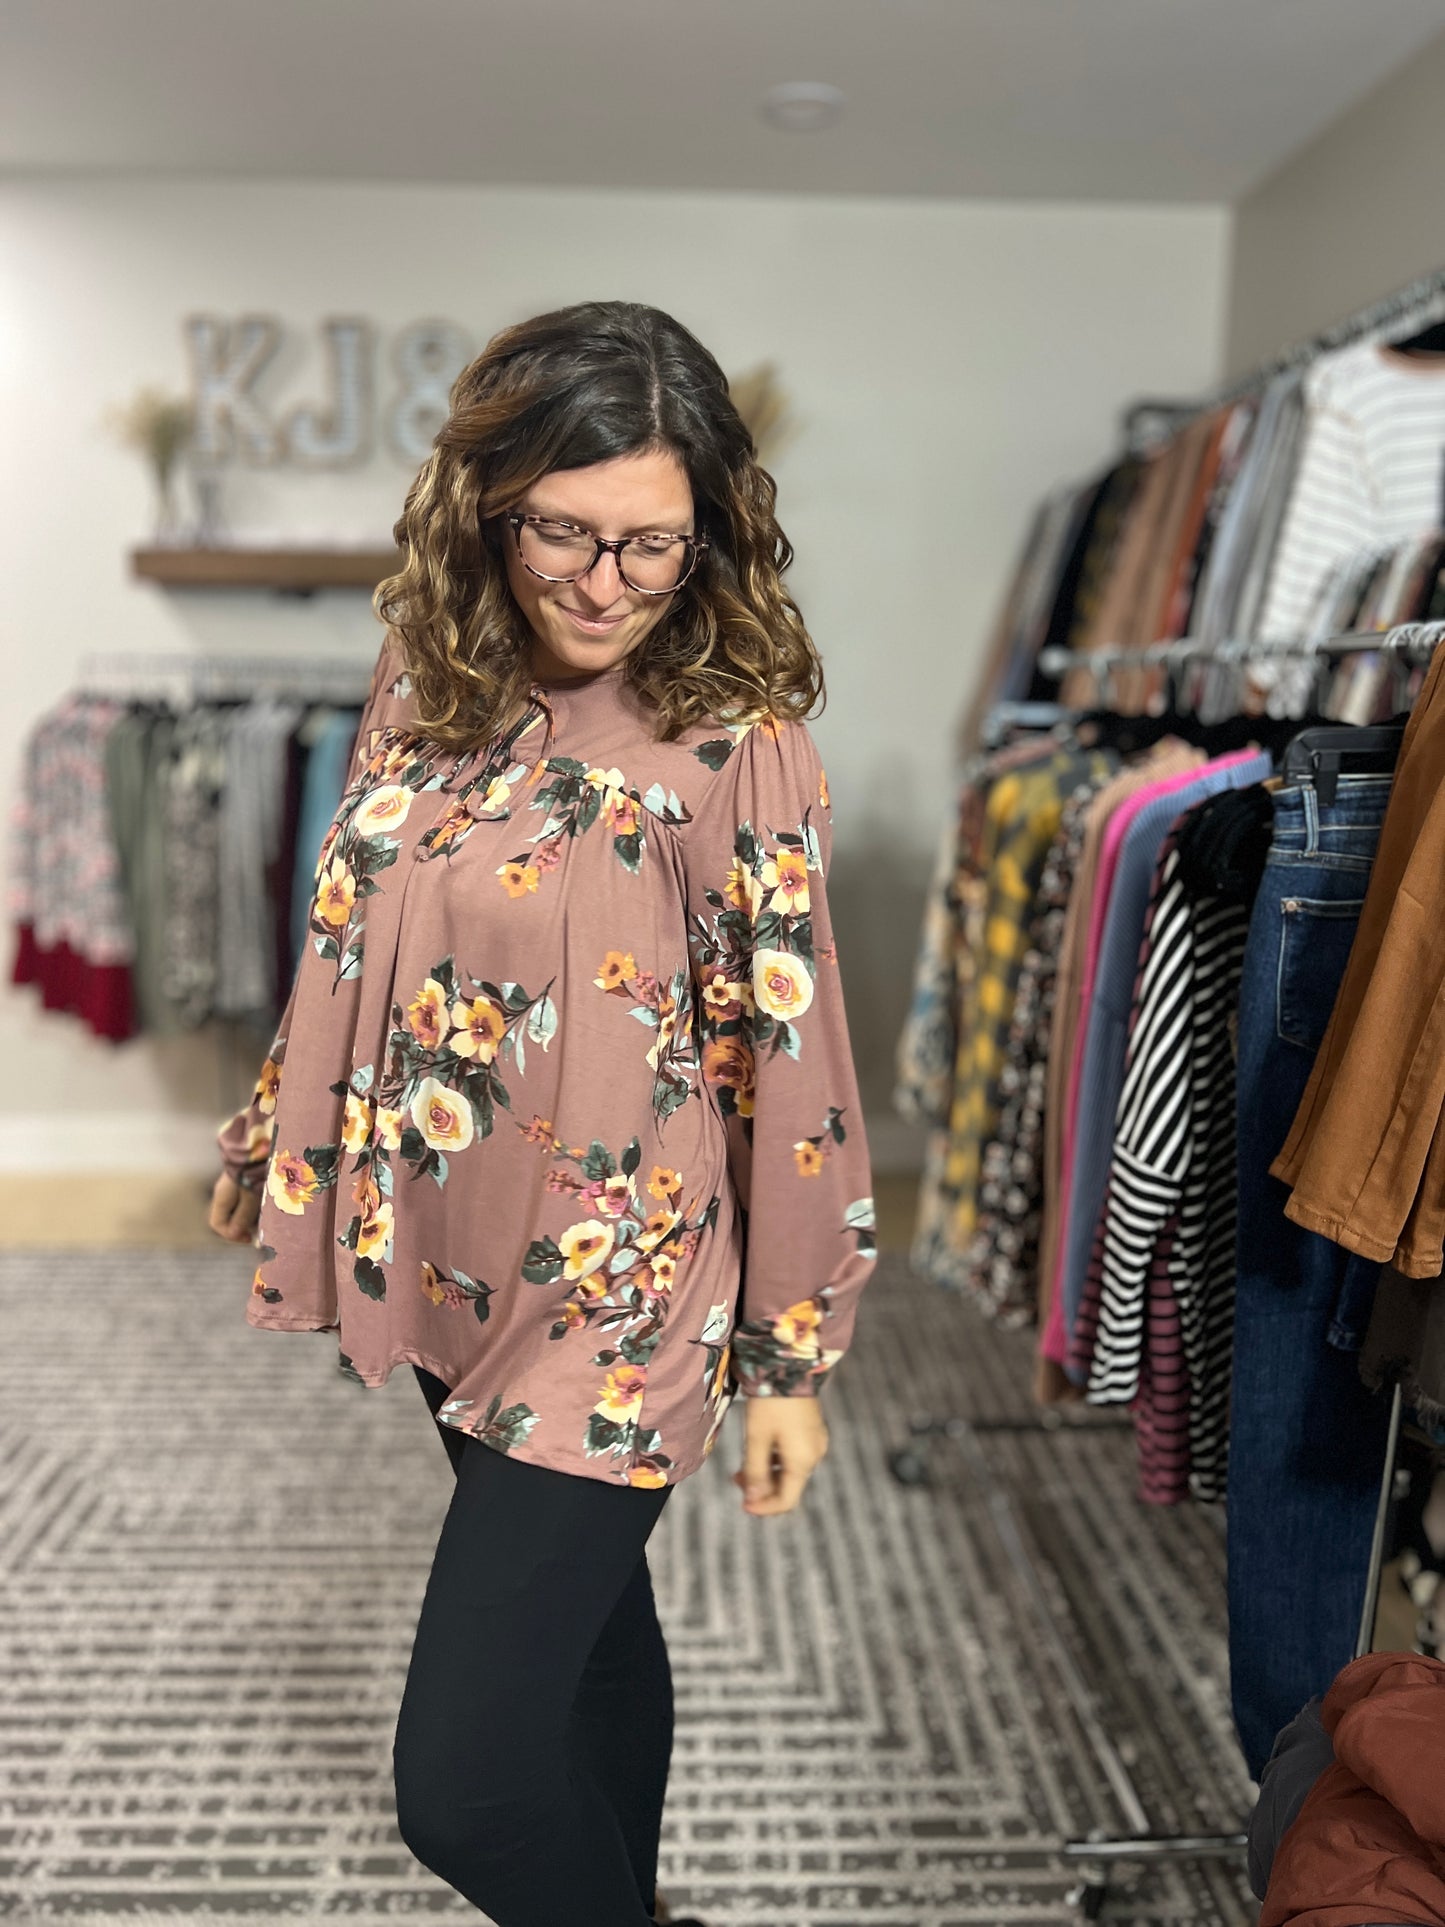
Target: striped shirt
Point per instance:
(1370, 474)
(1156, 1326)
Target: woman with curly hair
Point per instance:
(561, 1110)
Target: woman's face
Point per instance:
(583, 626)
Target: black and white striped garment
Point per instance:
(1369, 475)
(1169, 1215)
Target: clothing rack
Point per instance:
(1407, 641)
(1416, 305)
(196, 676)
(1097, 1855)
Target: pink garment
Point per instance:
(562, 1106)
(1054, 1340)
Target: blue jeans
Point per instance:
(1307, 1440)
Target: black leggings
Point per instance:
(535, 1730)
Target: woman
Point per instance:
(561, 1110)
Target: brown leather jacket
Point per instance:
(1369, 1842)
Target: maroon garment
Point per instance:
(562, 1106)
(1368, 1844)
(102, 994)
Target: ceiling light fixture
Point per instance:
(803, 106)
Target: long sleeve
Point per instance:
(776, 1058)
(245, 1140)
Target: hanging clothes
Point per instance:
(1365, 1157)
(73, 931)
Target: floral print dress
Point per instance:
(562, 1106)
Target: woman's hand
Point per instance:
(783, 1442)
(234, 1210)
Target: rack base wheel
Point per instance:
(908, 1467)
(1090, 1899)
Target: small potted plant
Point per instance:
(160, 426)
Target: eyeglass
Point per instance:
(562, 552)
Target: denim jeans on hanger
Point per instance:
(1307, 1440)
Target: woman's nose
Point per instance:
(603, 581)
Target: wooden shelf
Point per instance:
(299, 571)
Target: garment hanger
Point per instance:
(1429, 341)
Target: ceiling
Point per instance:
(1155, 100)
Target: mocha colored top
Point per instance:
(562, 1106)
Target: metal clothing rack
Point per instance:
(1417, 305)
(1406, 641)
(201, 676)
(1097, 1855)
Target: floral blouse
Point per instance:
(561, 1106)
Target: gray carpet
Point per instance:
(213, 1548)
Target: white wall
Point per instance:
(1355, 214)
(948, 363)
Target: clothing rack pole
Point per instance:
(1403, 640)
(1097, 1856)
(1418, 302)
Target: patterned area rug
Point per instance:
(213, 1548)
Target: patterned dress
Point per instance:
(562, 1106)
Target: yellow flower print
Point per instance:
(593, 1286)
(622, 1391)
(267, 1085)
(781, 984)
(539, 1132)
(797, 1329)
(385, 809)
(258, 1142)
(808, 1158)
(720, 1376)
(606, 779)
(389, 1126)
(771, 727)
(617, 967)
(291, 1183)
(518, 879)
(430, 1285)
(742, 889)
(663, 1183)
(727, 1060)
(657, 1228)
(426, 1014)
(449, 829)
(664, 1270)
(786, 875)
(573, 1315)
(823, 796)
(356, 1125)
(618, 1195)
(666, 1025)
(621, 813)
(585, 1247)
(646, 1475)
(335, 894)
(499, 792)
(480, 1027)
(374, 1233)
(443, 1117)
(723, 998)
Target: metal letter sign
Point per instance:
(343, 437)
(231, 426)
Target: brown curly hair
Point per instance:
(565, 390)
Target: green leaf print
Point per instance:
(632, 1157)
(629, 848)
(504, 1430)
(715, 752)
(544, 1263)
(361, 1079)
(370, 1278)
(599, 1161)
(542, 1024)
